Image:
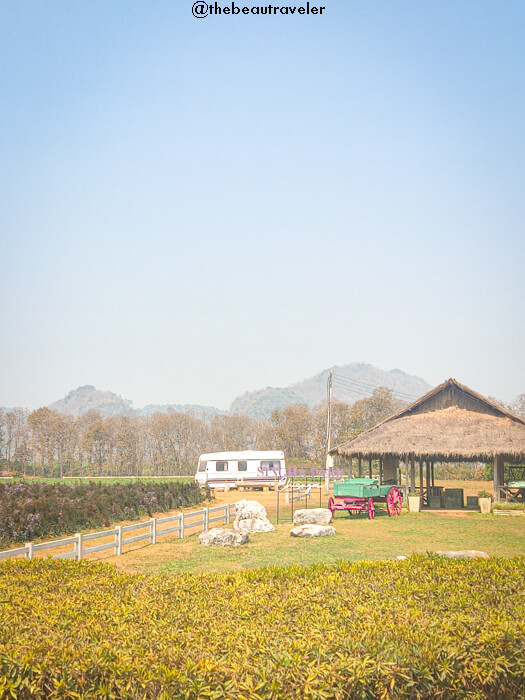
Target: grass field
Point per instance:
(357, 539)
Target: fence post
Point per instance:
(227, 507)
(78, 546)
(118, 541)
(181, 524)
(30, 553)
(153, 535)
(206, 518)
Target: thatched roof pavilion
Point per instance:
(449, 423)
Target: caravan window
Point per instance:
(222, 466)
(243, 466)
(202, 466)
(271, 467)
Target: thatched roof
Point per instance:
(451, 422)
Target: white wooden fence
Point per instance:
(176, 523)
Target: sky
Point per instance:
(191, 208)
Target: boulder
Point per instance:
(315, 516)
(311, 530)
(464, 554)
(223, 538)
(250, 516)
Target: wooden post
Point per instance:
(118, 541)
(359, 467)
(412, 473)
(206, 518)
(181, 524)
(227, 506)
(78, 546)
(428, 476)
(432, 475)
(498, 475)
(153, 533)
(420, 478)
(370, 467)
(30, 553)
(380, 470)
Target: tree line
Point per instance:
(50, 444)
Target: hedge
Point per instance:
(427, 627)
(31, 509)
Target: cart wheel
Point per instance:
(331, 505)
(371, 509)
(393, 501)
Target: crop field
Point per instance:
(279, 617)
(35, 509)
(425, 627)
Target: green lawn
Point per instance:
(357, 538)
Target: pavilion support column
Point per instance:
(370, 467)
(421, 477)
(412, 473)
(359, 467)
(432, 476)
(350, 467)
(380, 470)
(427, 475)
(498, 475)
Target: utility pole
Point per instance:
(329, 459)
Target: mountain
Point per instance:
(87, 398)
(358, 379)
(262, 403)
(351, 383)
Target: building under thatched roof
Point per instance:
(450, 423)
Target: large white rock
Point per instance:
(223, 538)
(311, 530)
(316, 516)
(465, 554)
(250, 516)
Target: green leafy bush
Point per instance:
(427, 627)
(504, 505)
(33, 509)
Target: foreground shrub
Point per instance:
(423, 628)
(506, 505)
(33, 509)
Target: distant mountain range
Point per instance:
(87, 398)
(351, 382)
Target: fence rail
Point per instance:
(181, 523)
(495, 511)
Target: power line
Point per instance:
(364, 389)
(355, 391)
(365, 385)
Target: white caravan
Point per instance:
(248, 468)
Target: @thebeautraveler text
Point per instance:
(202, 9)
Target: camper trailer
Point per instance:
(249, 468)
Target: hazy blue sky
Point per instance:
(191, 208)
